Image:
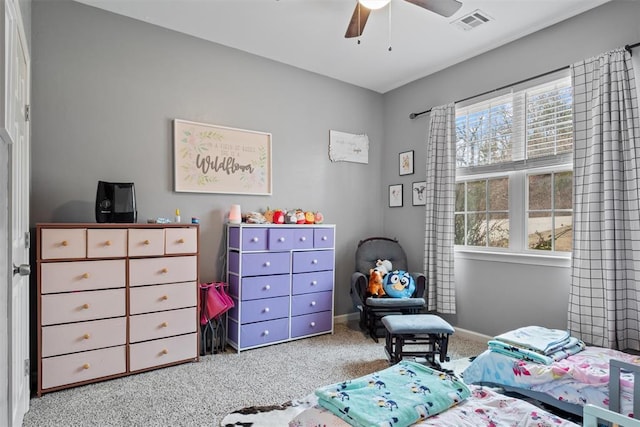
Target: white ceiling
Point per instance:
(309, 34)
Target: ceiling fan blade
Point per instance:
(441, 7)
(358, 20)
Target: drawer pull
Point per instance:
(314, 282)
(266, 332)
(313, 303)
(164, 324)
(164, 270)
(324, 237)
(312, 324)
(255, 240)
(266, 309)
(164, 297)
(315, 261)
(85, 306)
(164, 351)
(86, 336)
(267, 264)
(86, 366)
(107, 243)
(146, 242)
(64, 243)
(281, 239)
(303, 239)
(180, 241)
(86, 275)
(267, 287)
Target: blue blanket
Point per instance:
(398, 396)
(536, 338)
(571, 346)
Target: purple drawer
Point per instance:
(264, 309)
(234, 284)
(323, 237)
(265, 286)
(234, 237)
(254, 239)
(233, 311)
(234, 262)
(312, 261)
(317, 281)
(280, 239)
(262, 264)
(311, 303)
(311, 324)
(264, 332)
(303, 238)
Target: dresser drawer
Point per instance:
(143, 327)
(309, 324)
(304, 283)
(149, 271)
(311, 303)
(88, 365)
(265, 286)
(262, 264)
(163, 351)
(323, 237)
(59, 243)
(146, 242)
(264, 309)
(303, 238)
(181, 240)
(254, 239)
(147, 299)
(82, 275)
(81, 306)
(264, 332)
(280, 239)
(83, 336)
(106, 243)
(312, 261)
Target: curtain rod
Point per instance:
(412, 116)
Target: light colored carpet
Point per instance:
(202, 393)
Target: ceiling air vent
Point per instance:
(472, 20)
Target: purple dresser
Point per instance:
(281, 278)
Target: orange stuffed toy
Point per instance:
(375, 288)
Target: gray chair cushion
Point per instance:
(417, 324)
(398, 303)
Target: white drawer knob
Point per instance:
(266, 309)
(267, 264)
(315, 261)
(267, 287)
(313, 303)
(281, 239)
(303, 239)
(312, 324)
(86, 366)
(314, 282)
(265, 333)
(324, 237)
(255, 239)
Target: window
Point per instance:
(514, 180)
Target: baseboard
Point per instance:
(465, 333)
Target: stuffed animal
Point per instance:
(384, 266)
(399, 284)
(375, 288)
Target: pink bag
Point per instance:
(215, 301)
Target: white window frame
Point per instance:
(517, 173)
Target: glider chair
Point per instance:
(372, 309)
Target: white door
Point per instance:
(18, 298)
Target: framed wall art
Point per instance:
(395, 195)
(406, 163)
(418, 193)
(217, 159)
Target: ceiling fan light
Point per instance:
(374, 4)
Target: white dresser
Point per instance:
(281, 278)
(114, 299)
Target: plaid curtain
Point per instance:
(440, 204)
(605, 287)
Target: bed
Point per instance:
(468, 406)
(568, 384)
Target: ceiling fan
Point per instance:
(363, 8)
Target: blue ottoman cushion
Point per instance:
(416, 324)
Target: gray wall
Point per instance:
(495, 296)
(106, 88)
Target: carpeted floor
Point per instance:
(201, 394)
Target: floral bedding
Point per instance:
(579, 379)
(484, 408)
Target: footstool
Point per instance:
(427, 330)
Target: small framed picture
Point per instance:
(406, 163)
(395, 195)
(418, 193)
